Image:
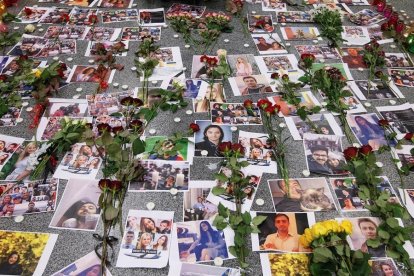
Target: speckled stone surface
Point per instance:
(72, 245)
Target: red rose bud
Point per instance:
(270, 110)
(350, 153)
(103, 127)
(399, 28)
(383, 122)
(115, 185)
(28, 11)
(3, 77)
(23, 57)
(61, 73)
(194, 127)
(274, 76)
(385, 26)
(93, 19)
(237, 148)
(63, 66)
(285, 77)
(104, 183)
(64, 18)
(212, 61)
(3, 27)
(248, 103)
(135, 123)
(127, 101)
(103, 85)
(117, 129)
(308, 56)
(224, 146)
(365, 149)
(408, 136)
(264, 103)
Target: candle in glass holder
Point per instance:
(388, 11)
(393, 19)
(380, 7)
(399, 27)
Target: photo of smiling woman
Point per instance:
(209, 137)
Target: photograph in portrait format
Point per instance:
(285, 263)
(354, 57)
(152, 17)
(78, 208)
(267, 44)
(199, 69)
(11, 149)
(321, 52)
(238, 114)
(170, 64)
(384, 266)
(199, 241)
(300, 33)
(30, 197)
(25, 253)
(257, 149)
(195, 11)
(407, 196)
(374, 90)
(194, 88)
(209, 137)
(293, 17)
(213, 93)
(260, 23)
(301, 195)
(281, 231)
(162, 176)
(249, 85)
(81, 162)
(400, 118)
(307, 99)
(324, 154)
(243, 65)
(87, 265)
(147, 239)
(195, 203)
(346, 191)
(376, 33)
(138, 33)
(367, 130)
(321, 123)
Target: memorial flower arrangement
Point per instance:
(331, 252)
(330, 25)
(374, 58)
(363, 164)
(331, 82)
(236, 8)
(241, 223)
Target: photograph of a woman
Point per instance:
(21, 171)
(208, 242)
(367, 130)
(243, 67)
(11, 266)
(209, 137)
(144, 242)
(161, 243)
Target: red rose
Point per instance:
(365, 149)
(237, 148)
(385, 26)
(224, 146)
(103, 127)
(117, 129)
(28, 11)
(127, 101)
(399, 28)
(64, 18)
(408, 136)
(383, 122)
(307, 56)
(204, 58)
(115, 185)
(93, 19)
(350, 153)
(194, 127)
(135, 123)
(368, 47)
(23, 57)
(63, 66)
(285, 77)
(61, 73)
(3, 77)
(104, 183)
(270, 110)
(264, 103)
(274, 76)
(212, 61)
(103, 85)
(10, 3)
(248, 104)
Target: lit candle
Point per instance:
(179, 181)
(388, 11)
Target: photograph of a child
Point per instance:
(367, 130)
(383, 267)
(78, 208)
(301, 195)
(234, 114)
(162, 176)
(209, 137)
(89, 264)
(28, 198)
(199, 241)
(281, 231)
(324, 154)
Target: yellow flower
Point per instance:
(318, 230)
(347, 226)
(308, 235)
(37, 73)
(304, 241)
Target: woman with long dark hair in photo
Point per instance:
(161, 244)
(209, 245)
(11, 265)
(212, 135)
(369, 133)
(77, 214)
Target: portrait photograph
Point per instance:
(402, 77)
(307, 99)
(367, 130)
(195, 88)
(293, 17)
(321, 52)
(78, 208)
(89, 73)
(196, 206)
(3, 61)
(116, 4)
(285, 263)
(249, 85)
(260, 23)
(53, 16)
(397, 60)
(80, 16)
(93, 48)
(404, 154)
(399, 117)
(354, 57)
(243, 65)
(162, 176)
(374, 90)
(355, 35)
(209, 137)
(199, 70)
(257, 149)
(200, 241)
(321, 123)
(111, 16)
(138, 33)
(281, 231)
(87, 265)
(324, 154)
(170, 63)
(301, 195)
(267, 44)
(195, 11)
(273, 64)
(384, 266)
(30, 197)
(151, 17)
(81, 162)
(147, 239)
(99, 34)
(10, 148)
(274, 5)
(25, 253)
(234, 114)
(300, 33)
(65, 32)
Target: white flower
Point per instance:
(324, 103)
(282, 125)
(75, 122)
(30, 28)
(306, 173)
(379, 164)
(356, 145)
(66, 118)
(221, 52)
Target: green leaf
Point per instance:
(107, 138)
(218, 191)
(138, 146)
(223, 211)
(114, 148)
(257, 220)
(392, 222)
(247, 218)
(383, 234)
(232, 250)
(322, 255)
(373, 243)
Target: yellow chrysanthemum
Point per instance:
(347, 226)
(318, 230)
(37, 73)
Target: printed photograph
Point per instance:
(209, 137)
(34, 16)
(94, 48)
(319, 51)
(66, 107)
(402, 77)
(367, 130)
(249, 85)
(301, 195)
(355, 35)
(234, 114)
(116, 4)
(404, 154)
(300, 33)
(152, 17)
(243, 65)
(272, 64)
(195, 11)
(53, 16)
(65, 32)
(321, 123)
(324, 154)
(285, 264)
(260, 23)
(110, 16)
(10, 148)
(89, 264)
(138, 33)
(80, 16)
(29, 45)
(197, 207)
(205, 270)
(354, 57)
(213, 93)
(162, 148)
(257, 149)
(274, 5)
(99, 34)
(267, 44)
(366, 17)
(374, 90)
(384, 266)
(293, 17)
(397, 60)
(399, 117)
(195, 88)
(306, 97)
(89, 73)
